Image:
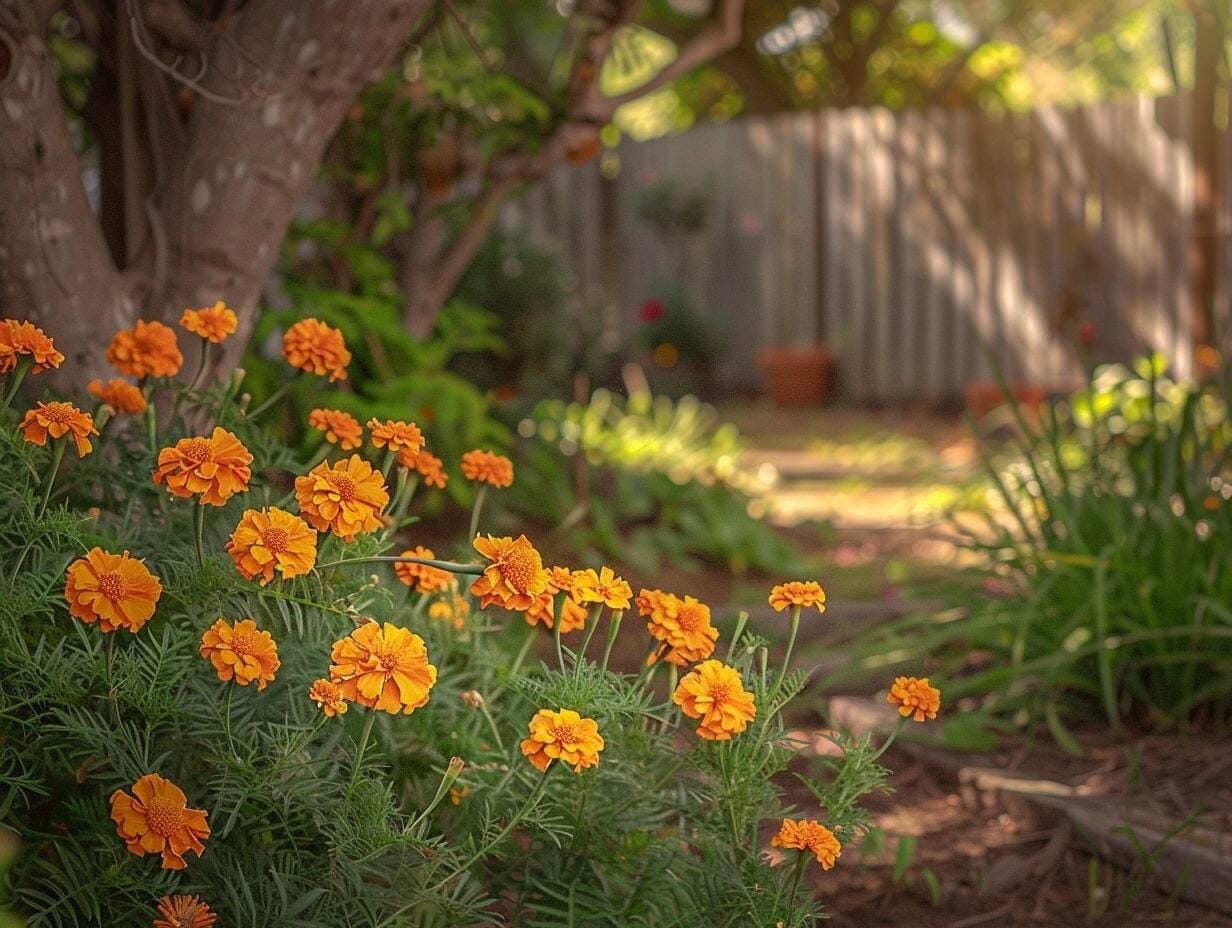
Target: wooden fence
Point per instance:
(905, 241)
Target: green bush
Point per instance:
(1103, 584)
(428, 817)
(660, 480)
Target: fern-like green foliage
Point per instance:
(359, 819)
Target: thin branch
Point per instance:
(719, 36)
(178, 75)
(465, 28)
(458, 254)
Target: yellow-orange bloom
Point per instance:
(563, 736)
(148, 349)
(486, 467)
(383, 667)
(604, 587)
(25, 339)
(422, 577)
(798, 593)
(184, 912)
(114, 590)
(515, 578)
(328, 696)
(427, 465)
(213, 323)
(313, 346)
(271, 541)
(58, 420)
(156, 820)
(573, 615)
(683, 625)
(120, 395)
(715, 694)
(241, 652)
(340, 428)
(914, 697)
(213, 469)
(456, 795)
(454, 611)
(811, 837)
(405, 438)
(345, 498)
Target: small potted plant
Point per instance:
(797, 376)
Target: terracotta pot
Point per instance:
(797, 376)
(983, 396)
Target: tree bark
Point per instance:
(278, 80)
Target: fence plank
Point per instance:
(941, 231)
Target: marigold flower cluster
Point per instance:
(156, 819)
(809, 836)
(114, 590)
(422, 577)
(485, 467)
(241, 652)
(212, 469)
(514, 578)
(340, 428)
(383, 667)
(915, 698)
(120, 395)
(56, 420)
(403, 438)
(213, 323)
(148, 349)
(313, 346)
(714, 694)
(798, 593)
(26, 340)
(565, 736)
(271, 542)
(344, 498)
(682, 625)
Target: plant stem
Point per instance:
(479, 498)
(205, 360)
(801, 863)
(741, 622)
(363, 746)
(273, 398)
(19, 374)
(894, 733)
(57, 455)
(523, 651)
(199, 533)
(591, 625)
(473, 570)
(613, 629)
(556, 616)
(791, 643)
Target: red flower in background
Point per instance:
(1086, 334)
(652, 310)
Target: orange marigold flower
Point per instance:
(427, 465)
(812, 837)
(271, 541)
(345, 498)
(120, 395)
(715, 694)
(486, 467)
(456, 795)
(156, 820)
(454, 611)
(914, 696)
(58, 420)
(563, 736)
(213, 469)
(313, 346)
(213, 323)
(184, 912)
(148, 349)
(798, 593)
(328, 696)
(515, 578)
(241, 652)
(18, 339)
(683, 625)
(573, 615)
(405, 438)
(340, 428)
(604, 587)
(422, 577)
(383, 667)
(114, 590)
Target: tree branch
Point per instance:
(720, 35)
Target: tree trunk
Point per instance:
(279, 79)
